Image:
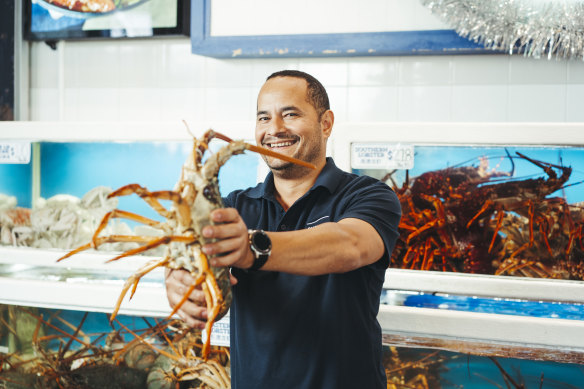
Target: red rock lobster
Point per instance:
(457, 219)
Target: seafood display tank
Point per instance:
(484, 288)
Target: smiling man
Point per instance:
(308, 250)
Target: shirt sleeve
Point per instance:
(375, 203)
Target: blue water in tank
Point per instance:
(76, 168)
(498, 305)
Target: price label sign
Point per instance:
(382, 156)
(15, 152)
(220, 332)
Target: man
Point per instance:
(303, 313)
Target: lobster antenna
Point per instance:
(512, 162)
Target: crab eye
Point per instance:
(210, 194)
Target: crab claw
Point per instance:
(262, 150)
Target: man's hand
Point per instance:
(193, 311)
(232, 247)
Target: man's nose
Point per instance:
(276, 126)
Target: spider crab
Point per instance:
(194, 197)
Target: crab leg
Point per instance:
(155, 243)
(133, 281)
(182, 206)
(151, 243)
(144, 193)
(214, 299)
(186, 296)
(261, 150)
(117, 213)
(107, 239)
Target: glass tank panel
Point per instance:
(428, 368)
(76, 168)
(489, 210)
(70, 185)
(498, 305)
(46, 348)
(15, 181)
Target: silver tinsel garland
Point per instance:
(535, 28)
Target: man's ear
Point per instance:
(327, 120)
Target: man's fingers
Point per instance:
(225, 215)
(229, 224)
(183, 276)
(197, 296)
(232, 279)
(223, 246)
(193, 315)
(193, 323)
(192, 312)
(223, 231)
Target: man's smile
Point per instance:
(280, 143)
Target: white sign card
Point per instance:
(382, 156)
(15, 152)
(219, 333)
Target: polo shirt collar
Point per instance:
(328, 178)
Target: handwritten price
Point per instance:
(15, 152)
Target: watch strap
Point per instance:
(259, 261)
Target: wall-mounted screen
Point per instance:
(52, 20)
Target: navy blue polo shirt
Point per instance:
(321, 332)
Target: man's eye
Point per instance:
(290, 114)
(262, 118)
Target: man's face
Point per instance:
(287, 123)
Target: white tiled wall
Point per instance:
(161, 80)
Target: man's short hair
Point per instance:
(315, 93)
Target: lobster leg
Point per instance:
(412, 256)
(428, 255)
(486, 206)
(426, 227)
(497, 228)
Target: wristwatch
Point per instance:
(261, 247)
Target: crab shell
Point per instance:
(199, 186)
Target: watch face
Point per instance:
(261, 241)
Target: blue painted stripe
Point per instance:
(426, 42)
